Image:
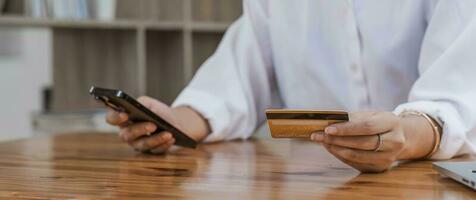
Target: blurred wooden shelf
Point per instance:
(152, 47)
(209, 27)
(45, 22)
(116, 24)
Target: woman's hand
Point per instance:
(369, 141)
(137, 134)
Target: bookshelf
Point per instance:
(152, 47)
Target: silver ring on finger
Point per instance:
(379, 143)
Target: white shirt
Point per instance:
(341, 54)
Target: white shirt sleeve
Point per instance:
(446, 86)
(235, 85)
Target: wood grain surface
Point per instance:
(99, 166)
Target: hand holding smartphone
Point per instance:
(121, 102)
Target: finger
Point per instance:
(364, 123)
(358, 166)
(125, 124)
(153, 104)
(163, 147)
(136, 130)
(152, 142)
(370, 158)
(116, 118)
(367, 142)
(146, 101)
(317, 136)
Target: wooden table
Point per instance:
(99, 166)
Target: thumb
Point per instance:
(159, 108)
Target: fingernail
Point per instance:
(123, 136)
(150, 127)
(143, 144)
(122, 115)
(331, 130)
(318, 137)
(167, 136)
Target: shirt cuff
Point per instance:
(210, 107)
(453, 135)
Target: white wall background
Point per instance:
(25, 68)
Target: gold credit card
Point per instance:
(285, 123)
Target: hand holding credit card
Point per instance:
(285, 123)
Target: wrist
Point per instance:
(408, 147)
(192, 122)
(409, 150)
(420, 137)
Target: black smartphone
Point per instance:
(121, 102)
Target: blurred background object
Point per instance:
(56, 49)
(25, 68)
(2, 3)
(103, 9)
